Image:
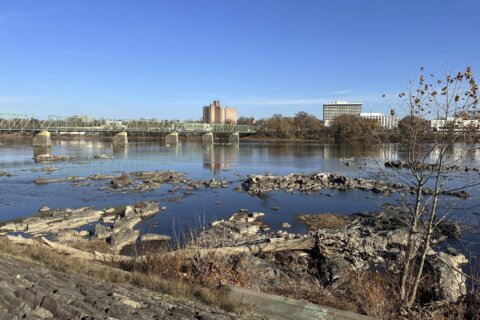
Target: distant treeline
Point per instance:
(345, 128)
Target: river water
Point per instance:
(20, 197)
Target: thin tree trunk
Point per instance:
(426, 243)
(410, 245)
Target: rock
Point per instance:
(144, 209)
(286, 225)
(123, 238)
(47, 158)
(129, 302)
(68, 235)
(421, 166)
(55, 221)
(102, 232)
(256, 215)
(450, 229)
(100, 176)
(33, 291)
(44, 209)
(46, 169)
(102, 157)
(55, 180)
(121, 181)
(81, 184)
(451, 283)
(215, 223)
(110, 210)
(331, 270)
(83, 233)
(246, 229)
(155, 237)
(257, 184)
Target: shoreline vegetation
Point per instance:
(334, 264)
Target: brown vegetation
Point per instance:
(323, 221)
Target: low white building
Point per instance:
(387, 122)
(459, 124)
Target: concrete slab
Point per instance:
(285, 308)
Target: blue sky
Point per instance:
(166, 59)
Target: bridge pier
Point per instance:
(38, 151)
(234, 138)
(207, 138)
(172, 139)
(42, 139)
(120, 139)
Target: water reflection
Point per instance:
(218, 158)
(120, 151)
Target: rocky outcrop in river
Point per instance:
(421, 166)
(257, 184)
(143, 181)
(48, 158)
(112, 228)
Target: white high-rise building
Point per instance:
(333, 110)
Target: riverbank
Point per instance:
(326, 139)
(40, 284)
(345, 262)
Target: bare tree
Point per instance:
(430, 163)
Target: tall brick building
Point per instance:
(214, 113)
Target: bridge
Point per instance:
(22, 122)
(76, 125)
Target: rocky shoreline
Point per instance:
(334, 245)
(362, 241)
(31, 291)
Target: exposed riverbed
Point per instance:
(21, 197)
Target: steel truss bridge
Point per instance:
(24, 123)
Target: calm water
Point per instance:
(20, 197)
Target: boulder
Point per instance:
(121, 181)
(123, 238)
(102, 232)
(451, 285)
(286, 225)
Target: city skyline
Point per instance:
(165, 60)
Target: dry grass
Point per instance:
(147, 280)
(366, 293)
(92, 245)
(323, 221)
(210, 270)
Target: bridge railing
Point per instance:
(22, 122)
